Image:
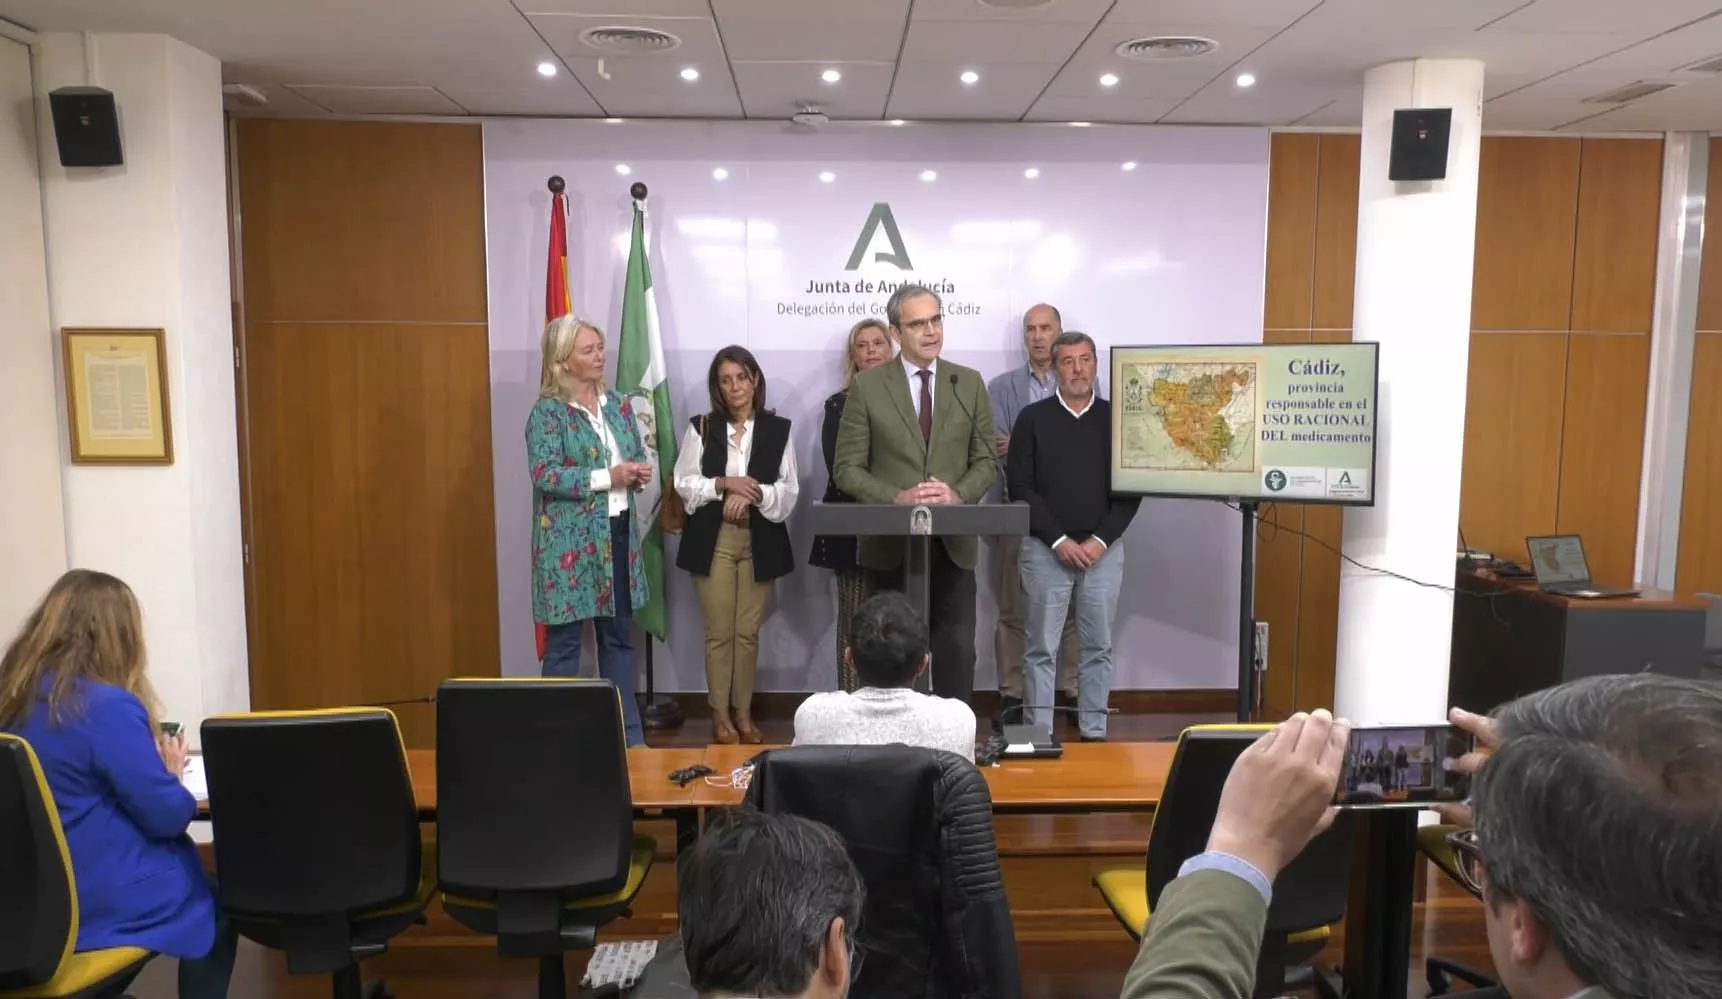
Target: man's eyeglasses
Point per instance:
(919, 326)
(1467, 859)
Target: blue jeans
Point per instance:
(615, 639)
(1051, 589)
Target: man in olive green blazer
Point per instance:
(891, 449)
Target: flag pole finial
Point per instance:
(637, 191)
(556, 184)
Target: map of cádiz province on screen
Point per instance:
(1266, 422)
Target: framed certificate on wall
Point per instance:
(117, 397)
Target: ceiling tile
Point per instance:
(852, 40)
(1343, 16)
(620, 11)
(1225, 13)
(282, 103)
(378, 100)
(992, 42)
(813, 10)
(1652, 59)
(1129, 110)
(563, 99)
(778, 89)
(1344, 111)
(652, 88)
(1175, 78)
(933, 90)
(1696, 106)
(1082, 11)
(699, 38)
(1259, 105)
(1606, 16)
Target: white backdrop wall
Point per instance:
(1170, 250)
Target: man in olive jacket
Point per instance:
(1204, 936)
(918, 431)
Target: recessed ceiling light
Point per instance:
(1031, 173)
(827, 177)
(896, 121)
(690, 74)
(720, 174)
(547, 69)
(624, 169)
(1246, 79)
(1109, 79)
(970, 77)
(1079, 124)
(831, 76)
(1127, 166)
(929, 175)
(612, 121)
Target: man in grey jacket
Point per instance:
(1009, 393)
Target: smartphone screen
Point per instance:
(1403, 766)
(169, 729)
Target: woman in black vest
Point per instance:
(736, 474)
(869, 346)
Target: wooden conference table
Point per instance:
(1091, 777)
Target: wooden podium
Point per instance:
(919, 525)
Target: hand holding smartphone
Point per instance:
(1403, 766)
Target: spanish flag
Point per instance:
(556, 299)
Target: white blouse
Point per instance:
(617, 498)
(776, 499)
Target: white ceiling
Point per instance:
(902, 58)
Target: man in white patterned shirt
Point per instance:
(888, 648)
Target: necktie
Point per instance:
(926, 405)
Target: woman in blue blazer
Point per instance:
(72, 685)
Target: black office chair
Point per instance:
(919, 826)
(39, 899)
(1309, 895)
(317, 839)
(535, 818)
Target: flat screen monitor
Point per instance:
(1264, 422)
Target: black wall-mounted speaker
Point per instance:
(1420, 138)
(86, 127)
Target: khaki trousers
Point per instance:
(734, 607)
(1009, 642)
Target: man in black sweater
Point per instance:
(1060, 464)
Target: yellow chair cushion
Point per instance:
(639, 862)
(1432, 841)
(84, 972)
(1126, 893)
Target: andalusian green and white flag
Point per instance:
(643, 379)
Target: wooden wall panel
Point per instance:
(1293, 173)
(1602, 448)
(1699, 563)
(1710, 277)
(373, 549)
(1279, 579)
(1614, 258)
(1515, 395)
(346, 221)
(1527, 189)
(1336, 233)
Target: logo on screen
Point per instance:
(880, 217)
(1275, 480)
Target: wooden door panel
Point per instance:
(372, 532)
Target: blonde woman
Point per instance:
(869, 346)
(72, 685)
(586, 459)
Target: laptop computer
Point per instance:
(1561, 568)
